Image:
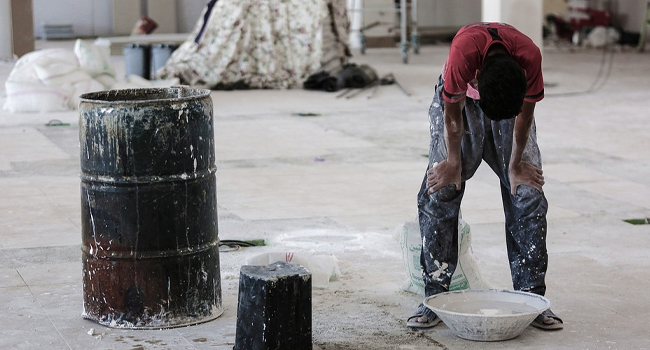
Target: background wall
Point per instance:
(554, 6)
(444, 13)
(95, 17)
(188, 13)
(630, 14)
(88, 17)
(525, 15)
(430, 13)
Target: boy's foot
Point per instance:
(547, 320)
(423, 318)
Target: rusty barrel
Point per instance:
(150, 249)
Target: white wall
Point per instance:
(525, 15)
(188, 13)
(5, 30)
(630, 14)
(88, 17)
(445, 13)
(94, 17)
(430, 13)
(554, 6)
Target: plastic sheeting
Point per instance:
(261, 44)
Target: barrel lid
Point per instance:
(136, 45)
(171, 94)
(165, 45)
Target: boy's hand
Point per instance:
(525, 173)
(443, 174)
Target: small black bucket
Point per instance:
(150, 249)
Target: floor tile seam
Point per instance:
(297, 169)
(62, 210)
(45, 313)
(364, 110)
(599, 260)
(621, 198)
(310, 213)
(57, 284)
(583, 187)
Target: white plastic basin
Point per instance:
(487, 314)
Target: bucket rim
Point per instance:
(104, 97)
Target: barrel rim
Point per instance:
(118, 179)
(93, 97)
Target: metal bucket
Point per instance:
(137, 59)
(160, 53)
(149, 208)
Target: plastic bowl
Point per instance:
(487, 314)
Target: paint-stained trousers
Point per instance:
(525, 213)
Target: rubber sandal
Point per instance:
(423, 311)
(548, 321)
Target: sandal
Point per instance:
(547, 320)
(423, 311)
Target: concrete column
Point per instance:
(525, 15)
(16, 28)
(355, 15)
(6, 50)
(22, 26)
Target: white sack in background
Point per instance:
(467, 274)
(51, 80)
(601, 36)
(34, 84)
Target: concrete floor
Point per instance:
(341, 183)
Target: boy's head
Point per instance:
(502, 86)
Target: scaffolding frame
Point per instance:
(407, 24)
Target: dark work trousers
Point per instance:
(525, 213)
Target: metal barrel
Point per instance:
(160, 53)
(150, 249)
(137, 58)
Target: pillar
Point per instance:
(525, 15)
(16, 28)
(6, 51)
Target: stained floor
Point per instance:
(343, 183)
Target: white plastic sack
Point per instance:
(25, 89)
(467, 274)
(323, 268)
(601, 36)
(51, 80)
(95, 58)
(34, 97)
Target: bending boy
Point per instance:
(483, 110)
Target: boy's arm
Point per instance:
(522, 172)
(448, 172)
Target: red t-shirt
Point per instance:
(468, 50)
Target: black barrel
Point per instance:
(150, 249)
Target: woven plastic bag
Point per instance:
(467, 274)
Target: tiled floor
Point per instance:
(341, 183)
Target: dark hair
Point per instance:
(502, 86)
